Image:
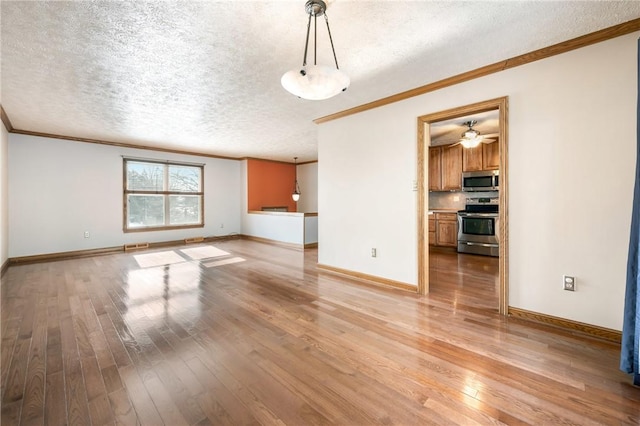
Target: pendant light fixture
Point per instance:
(471, 138)
(316, 82)
(296, 188)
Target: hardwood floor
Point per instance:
(260, 336)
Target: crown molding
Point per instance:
(546, 52)
(119, 144)
(5, 119)
(278, 161)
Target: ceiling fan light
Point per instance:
(471, 143)
(315, 82)
(470, 134)
(471, 138)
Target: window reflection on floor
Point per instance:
(158, 258)
(204, 252)
(168, 284)
(169, 291)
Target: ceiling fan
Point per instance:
(471, 138)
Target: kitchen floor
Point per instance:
(468, 279)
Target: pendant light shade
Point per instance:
(316, 82)
(296, 189)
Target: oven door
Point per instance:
(478, 227)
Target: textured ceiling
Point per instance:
(205, 76)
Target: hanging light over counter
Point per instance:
(316, 82)
(296, 189)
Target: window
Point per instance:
(162, 195)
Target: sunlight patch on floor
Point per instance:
(204, 252)
(157, 259)
(223, 262)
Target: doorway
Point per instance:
(501, 106)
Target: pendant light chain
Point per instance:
(315, 40)
(306, 44)
(335, 58)
(296, 189)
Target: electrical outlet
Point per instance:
(569, 283)
(374, 252)
(86, 234)
(222, 225)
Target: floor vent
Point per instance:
(193, 240)
(136, 246)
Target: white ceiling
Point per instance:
(205, 76)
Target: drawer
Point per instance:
(446, 216)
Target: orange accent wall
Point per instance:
(270, 184)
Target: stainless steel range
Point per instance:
(478, 227)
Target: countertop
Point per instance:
(432, 211)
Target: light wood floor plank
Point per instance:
(33, 401)
(122, 409)
(145, 409)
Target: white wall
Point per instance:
(308, 180)
(4, 196)
(572, 121)
(366, 168)
(58, 189)
(310, 229)
(286, 228)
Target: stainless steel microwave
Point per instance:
(485, 180)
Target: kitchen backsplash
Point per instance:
(454, 200)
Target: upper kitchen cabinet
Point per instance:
(435, 169)
(484, 157)
(491, 156)
(452, 168)
(445, 168)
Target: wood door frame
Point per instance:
(500, 104)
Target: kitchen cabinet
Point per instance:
(435, 169)
(472, 159)
(432, 230)
(452, 168)
(445, 229)
(486, 156)
(445, 168)
(491, 156)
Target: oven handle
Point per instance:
(481, 244)
(478, 214)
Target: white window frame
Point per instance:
(165, 193)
